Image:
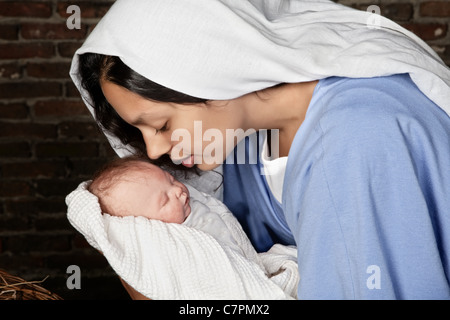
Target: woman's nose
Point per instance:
(156, 145)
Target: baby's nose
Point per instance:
(177, 191)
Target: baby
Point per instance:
(219, 261)
(133, 186)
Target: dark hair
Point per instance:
(93, 67)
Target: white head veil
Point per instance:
(222, 49)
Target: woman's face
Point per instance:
(190, 134)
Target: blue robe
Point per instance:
(366, 195)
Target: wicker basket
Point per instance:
(15, 288)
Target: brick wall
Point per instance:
(49, 143)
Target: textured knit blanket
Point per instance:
(173, 261)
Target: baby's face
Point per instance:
(153, 193)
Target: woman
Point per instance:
(362, 169)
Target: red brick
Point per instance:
(11, 90)
(13, 111)
(9, 32)
(427, 31)
(81, 130)
(66, 149)
(34, 242)
(60, 108)
(72, 91)
(14, 150)
(89, 261)
(34, 169)
(67, 49)
(397, 11)
(55, 187)
(14, 189)
(34, 206)
(393, 11)
(87, 9)
(51, 223)
(26, 129)
(107, 150)
(51, 31)
(85, 168)
(80, 242)
(26, 50)
(25, 9)
(24, 261)
(48, 70)
(11, 71)
(15, 223)
(435, 9)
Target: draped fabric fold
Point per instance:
(222, 49)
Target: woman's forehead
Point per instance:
(123, 100)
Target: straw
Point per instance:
(16, 288)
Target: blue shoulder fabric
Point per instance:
(366, 192)
(248, 196)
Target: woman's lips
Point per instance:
(188, 162)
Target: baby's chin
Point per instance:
(187, 211)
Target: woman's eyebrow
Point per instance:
(140, 120)
(136, 122)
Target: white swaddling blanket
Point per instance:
(173, 261)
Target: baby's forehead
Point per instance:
(147, 170)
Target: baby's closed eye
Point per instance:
(164, 199)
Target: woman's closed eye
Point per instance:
(162, 129)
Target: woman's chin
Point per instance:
(207, 166)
